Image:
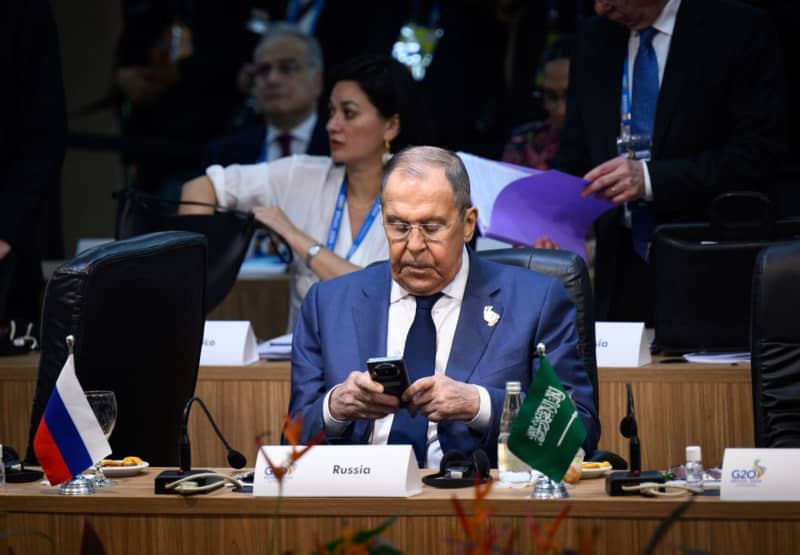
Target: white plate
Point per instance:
(124, 471)
(595, 472)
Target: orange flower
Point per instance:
(544, 538)
(292, 428)
(480, 535)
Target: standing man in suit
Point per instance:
(483, 323)
(287, 84)
(703, 83)
(33, 131)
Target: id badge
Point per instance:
(415, 46)
(635, 147)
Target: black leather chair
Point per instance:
(136, 309)
(574, 275)
(775, 346)
(571, 270)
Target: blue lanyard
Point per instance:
(336, 221)
(625, 100)
(263, 156)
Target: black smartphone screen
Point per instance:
(391, 372)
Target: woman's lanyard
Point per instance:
(625, 102)
(336, 221)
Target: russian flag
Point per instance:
(69, 439)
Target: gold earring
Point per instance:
(387, 151)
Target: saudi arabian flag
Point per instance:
(548, 430)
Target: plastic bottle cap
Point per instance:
(693, 453)
(513, 387)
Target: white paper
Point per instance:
(621, 344)
(760, 475)
(228, 342)
(718, 358)
(277, 348)
(341, 471)
(264, 266)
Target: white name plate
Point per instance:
(621, 344)
(760, 475)
(228, 342)
(341, 471)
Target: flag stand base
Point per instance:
(545, 488)
(80, 485)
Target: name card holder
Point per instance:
(228, 342)
(341, 471)
(621, 344)
(760, 475)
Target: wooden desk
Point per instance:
(676, 405)
(262, 301)
(129, 518)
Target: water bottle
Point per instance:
(694, 467)
(512, 470)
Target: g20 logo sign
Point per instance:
(752, 474)
(744, 474)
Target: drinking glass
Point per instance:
(104, 406)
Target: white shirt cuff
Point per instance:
(480, 422)
(648, 186)
(333, 427)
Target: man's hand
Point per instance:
(440, 398)
(358, 397)
(143, 84)
(544, 242)
(619, 180)
(5, 248)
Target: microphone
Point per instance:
(235, 458)
(203, 477)
(629, 429)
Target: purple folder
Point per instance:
(546, 203)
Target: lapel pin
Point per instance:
(490, 315)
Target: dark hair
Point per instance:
(391, 89)
(561, 47)
(414, 161)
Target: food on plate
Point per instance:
(593, 465)
(127, 461)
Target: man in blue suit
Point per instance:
(488, 319)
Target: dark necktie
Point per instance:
(285, 142)
(643, 115)
(645, 85)
(420, 359)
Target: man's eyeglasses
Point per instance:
(399, 231)
(285, 68)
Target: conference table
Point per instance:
(130, 518)
(677, 404)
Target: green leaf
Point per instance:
(363, 536)
(23, 532)
(664, 527)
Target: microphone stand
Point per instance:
(235, 458)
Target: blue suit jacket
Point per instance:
(343, 322)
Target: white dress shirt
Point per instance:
(665, 25)
(445, 314)
(301, 137)
(306, 189)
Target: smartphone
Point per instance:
(391, 372)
